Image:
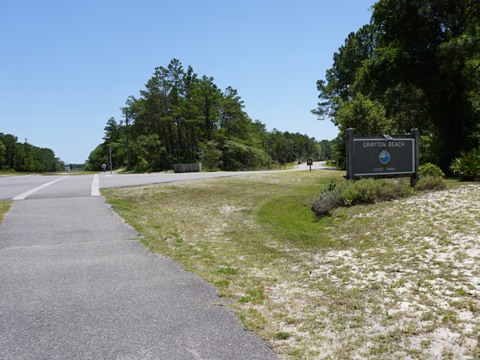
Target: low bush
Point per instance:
(326, 202)
(391, 190)
(359, 192)
(350, 193)
(431, 178)
(431, 183)
(431, 170)
(467, 166)
(334, 185)
(329, 199)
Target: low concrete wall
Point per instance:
(183, 168)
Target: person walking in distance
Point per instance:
(104, 167)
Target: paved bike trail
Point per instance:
(75, 283)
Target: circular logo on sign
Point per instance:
(384, 157)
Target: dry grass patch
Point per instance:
(392, 280)
(4, 208)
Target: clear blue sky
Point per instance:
(67, 66)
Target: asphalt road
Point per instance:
(75, 284)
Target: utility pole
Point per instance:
(110, 151)
(126, 138)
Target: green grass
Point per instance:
(4, 208)
(78, 172)
(374, 281)
(11, 173)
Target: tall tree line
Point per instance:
(181, 117)
(415, 65)
(24, 157)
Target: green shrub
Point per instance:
(369, 191)
(326, 202)
(433, 183)
(329, 199)
(391, 190)
(359, 192)
(333, 185)
(364, 191)
(430, 169)
(467, 166)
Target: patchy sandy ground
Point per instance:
(403, 281)
(412, 293)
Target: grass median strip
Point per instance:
(4, 208)
(390, 280)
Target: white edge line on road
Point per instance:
(30, 192)
(96, 185)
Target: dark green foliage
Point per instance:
(361, 192)
(363, 114)
(238, 156)
(3, 152)
(24, 157)
(419, 60)
(148, 152)
(178, 114)
(210, 155)
(427, 148)
(98, 157)
(430, 169)
(324, 150)
(467, 166)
